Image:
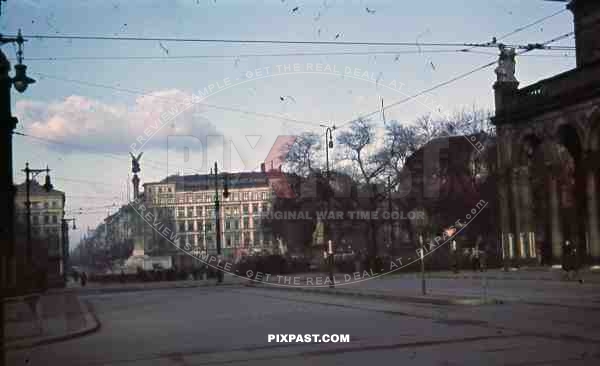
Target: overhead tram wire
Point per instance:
(214, 106)
(450, 81)
(527, 26)
(156, 164)
(257, 55)
(265, 41)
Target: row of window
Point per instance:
(45, 204)
(40, 231)
(47, 219)
(234, 196)
(230, 224)
(231, 240)
(202, 211)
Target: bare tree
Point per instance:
(304, 154)
(360, 151)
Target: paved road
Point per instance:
(209, 326)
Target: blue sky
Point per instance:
(97, 125)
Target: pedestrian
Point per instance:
(454, 256)
(475, 259)
(575, 264)
(483, 259)
(567, 259)
(75, 276)
(83, 279)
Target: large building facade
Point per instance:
(47, 214)
(549, 152)
(186, 204)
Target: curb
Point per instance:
(100, 290)
(92, 325)
(390, 297)
(22, 298)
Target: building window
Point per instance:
(182, 227)
(54, 219)
(198, 211)
(54, 204)
(264, 196)
(235, 196)
(190, 211)
(236, 224)
(227, 225)
(46, 219)
(246, 222)
(227, 241)
(246, 208)
(36, 220)
(245, 196)
(255, 209)
(180, 212)
(208, 227)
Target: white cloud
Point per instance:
(85, 124)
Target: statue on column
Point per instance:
(506, 64)
(135, 168)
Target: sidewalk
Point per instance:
(97, 287)
(521, 274)
(42, 319)
(388, 295)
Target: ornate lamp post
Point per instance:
(65, 241)
(7, 125)
(421, 225)
(218, 211)
(330, 250)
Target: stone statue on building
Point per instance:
(506, 64)
(135, 162)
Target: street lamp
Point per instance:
(329, 145)
(29, 175)
(9, 123)
(65, 244)
(421, 224)
(218, 211)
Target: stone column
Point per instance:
(591, 168)
(504, 214)
(516, 211)
(526, 208)
(555, 216)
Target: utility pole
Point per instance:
(218, 215)
(390, 233)
(422, 253)
(29, 175)
(330, 251)
(65, 248)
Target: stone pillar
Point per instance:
(526, 212)
(555, 216)
(591, 187)
(504, 215)
(516, 212)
